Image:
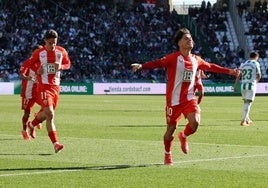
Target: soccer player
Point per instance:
(28, 94)
(250, 76)
(50, 60)
(181, 69)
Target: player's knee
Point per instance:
(50, 115)
(195, 125)
(170, 130)
(26, 115)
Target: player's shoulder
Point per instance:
(254, 62)
(257, 63)
(26, 61)
(170, 57)
(38, 51)
(173, 54)
(60, 48)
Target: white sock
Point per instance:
(246, 111)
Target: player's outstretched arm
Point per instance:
(136, 67)
(235, 72)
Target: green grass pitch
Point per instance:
(116, 141)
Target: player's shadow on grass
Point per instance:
(135, 126)
(24, 154)
(111, 167)
(10, 138)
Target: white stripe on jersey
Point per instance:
(183, 75)
(49, 67)
(43, 60)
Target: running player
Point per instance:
(181, 69)
(50, 60)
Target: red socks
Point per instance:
(24, 121)
(188, 130)
(168, 144)
(35, 122)
(53, 136)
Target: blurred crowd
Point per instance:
(258, 21)
(102, 39)
(212, 21)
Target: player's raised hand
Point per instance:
(235, 72)
(136, 66)
(57, 66)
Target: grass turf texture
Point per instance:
(116, 141)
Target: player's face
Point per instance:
(51, 44)
(186, 42)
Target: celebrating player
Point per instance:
(50, 60)
(250, 76)
(181, 69)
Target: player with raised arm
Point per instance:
(181, 67)
(250, 76)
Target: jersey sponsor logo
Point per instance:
(187, 75)
(51, 69)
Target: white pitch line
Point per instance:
(221, 158)
(40, 172)
(227, 145)
(180, 162)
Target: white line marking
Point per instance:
(221, 158)
(227, 145)
(40, 172)
(179, 162)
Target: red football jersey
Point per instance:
(47, 59)
(28, 87)
(181, 74)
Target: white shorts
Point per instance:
(248, 95)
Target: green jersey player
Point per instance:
(250, 75)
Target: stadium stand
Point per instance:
(103, 39)
(255, 23)
(217, 25)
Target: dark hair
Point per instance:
(51, 33)
(254, 54)
(179, 34)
